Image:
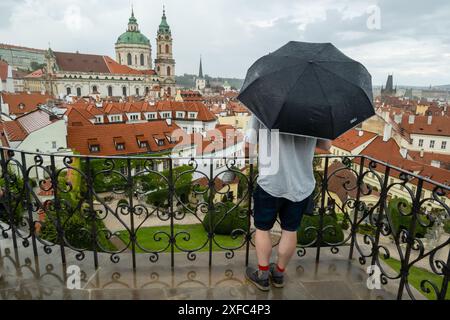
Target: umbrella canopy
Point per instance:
(309, 89)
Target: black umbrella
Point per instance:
(309, 89)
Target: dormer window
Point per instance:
(98, 119)
(159, 141)
(93, 145)
(151, 116)
(142, 142)
(119, 143)
(166, 115)
(134, 117)
(115, 118)
(192, 115)
(180, 114)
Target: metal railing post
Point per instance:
(28, 190)
(57, 206)
(415, 210)
(324, 188)
(92, 213)
(133, 235)
(248, 236)
(356, 210)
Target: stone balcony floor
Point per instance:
(27, 277)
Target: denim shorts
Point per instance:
(268, 207)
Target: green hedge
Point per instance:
(233, 220)
(447, 226)
(331, 235)
(400, 221)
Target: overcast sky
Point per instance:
(411, 39)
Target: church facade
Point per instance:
(131, 74)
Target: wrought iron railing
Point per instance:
(153, 206)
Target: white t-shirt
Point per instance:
(285, 164)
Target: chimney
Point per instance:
(430, 120)
(169, 122)
(398, 118)
(387, 132)
(360, 133)
(421, 153)
(411, 119)
(403, 152)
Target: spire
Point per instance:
(164, 26)
(200, 71)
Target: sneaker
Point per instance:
(276, 277)
(256, 277)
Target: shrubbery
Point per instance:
(399, 221)
(331, 235)
(236, 219)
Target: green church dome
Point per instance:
(133, 37)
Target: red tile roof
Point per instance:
(428, 157)
(88, 110)
(23, 102)
(440, 125)
(107, 136)
(352, 139)
(80, 62)
(20, 128)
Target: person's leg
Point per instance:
(265, 214)
(263, 245)
(286, 248)
(290, 215)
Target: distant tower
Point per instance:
(389, 89)
(133, 49)
(200, 82)
(164, 62)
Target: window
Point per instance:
(168, 70)
(94, 89)
(142, 59)
(79, 92)
(166, 115)
(160, 49)
(69, 91)
(137, 91)
(129, 62)
(147, 90)
(134, 117)
(180, 114)
(160, 142)
(98, 119)
(115, 118)
(151, 116)
(143, 144)
(124, 91)
(420, 142)
(432, 144)
(54, 144)
(120, 59)
(120, 146)
(110, 91)
(135, 60)
(444, 145)
(95, 148)
(167, 48)
(192, 115)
